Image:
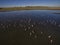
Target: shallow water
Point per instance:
(30, 27)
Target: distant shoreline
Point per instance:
(29, 8)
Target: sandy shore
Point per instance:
(29, 8)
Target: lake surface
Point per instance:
(30, 27)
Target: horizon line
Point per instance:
(26, 6)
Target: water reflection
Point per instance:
(31, 26)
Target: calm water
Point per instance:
(30, 27)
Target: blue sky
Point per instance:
(15, 3)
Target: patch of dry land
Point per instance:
(30, 8)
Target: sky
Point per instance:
(18, 3)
